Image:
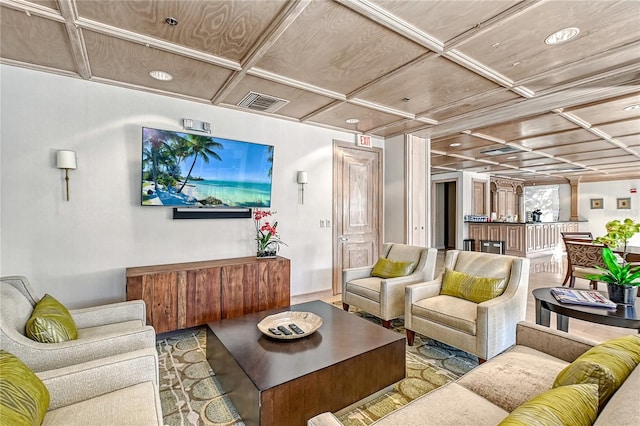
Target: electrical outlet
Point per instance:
(328, 223)
(321, 223)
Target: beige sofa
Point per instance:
(488, 393)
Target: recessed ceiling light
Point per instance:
(513, 157)
(171, 21)
(161, 75)
(455, 144)
(352, 121)
(631, 107)
(562, 36)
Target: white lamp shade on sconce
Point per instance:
(303, 177)
(66, 160)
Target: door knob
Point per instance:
(343, 238)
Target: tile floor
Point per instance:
(545, 271)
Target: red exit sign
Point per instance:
(363, 140)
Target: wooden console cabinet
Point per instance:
(184, 295)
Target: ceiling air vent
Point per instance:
(263, 103)
(506, 149)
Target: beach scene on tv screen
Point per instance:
(190, 170)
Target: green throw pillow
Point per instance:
(470, 287)
(51, 322)
(385, 268)
(574, 405)
(23, 397)
(607, 365)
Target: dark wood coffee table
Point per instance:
(285, 383)
(622, 316)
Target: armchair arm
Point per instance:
(47, 356)
(419, 291)
(392, 294)
(556, 343)
(110, 314)
(76, 383)
(324, 419)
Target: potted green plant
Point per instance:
(622, 279)
(619, 233)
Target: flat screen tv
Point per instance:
(189, 170)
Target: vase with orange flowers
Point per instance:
(267, 238)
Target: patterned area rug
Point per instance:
(191, 395)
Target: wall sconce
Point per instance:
(66, 160)
(198, 126)
(303, 179)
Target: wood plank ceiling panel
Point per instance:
(621, 128)
(472, 104)
(526, 128)
(337, 49)
(578, 148)
(222, 28)
(609, 110)
(32, 39)
(517, 50)
(410, 90)
(119, 60)
(441, 21)
(567, 137)
(51, 4)
(401, 127)
(369, 118)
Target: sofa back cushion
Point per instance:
(470, 287)
(405, 253)
(15, 310)
(24, 399)
(51, 322)
(480, 264)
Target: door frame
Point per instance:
(459, 224)
(338, 146)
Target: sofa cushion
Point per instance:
(623, 408)
(24, 399)
(365, 287)
(471, 287)
(455, 313)
(404, 253)
(608, 365)
(448, 405)
(51, 322)
(134, 405)
(575, 405)
(386, 268)
(514, 377)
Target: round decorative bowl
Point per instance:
(308, 322)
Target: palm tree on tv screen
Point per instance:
(202, 146)
(157, 142)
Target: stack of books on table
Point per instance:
(582, 297)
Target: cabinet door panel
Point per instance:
(164, 306)
(207, 295)
(240, 290)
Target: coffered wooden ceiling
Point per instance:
(474, 73)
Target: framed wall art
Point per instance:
(597, 203)
(624, 203)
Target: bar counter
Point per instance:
(521, 238)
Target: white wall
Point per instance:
(609, 192)
(395, 194)
(78, 250)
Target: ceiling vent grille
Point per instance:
(507, 149)
(264, 103)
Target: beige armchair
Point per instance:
(384, 297)
(118, 390)
(482, 329)
(102, 330)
